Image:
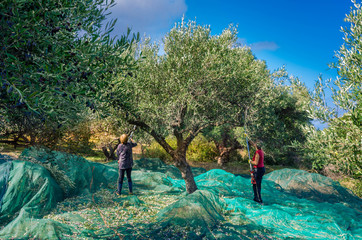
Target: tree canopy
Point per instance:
(339, 146)
(280, 116)
(200, 80)
(54, 57)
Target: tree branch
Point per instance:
(193, 133)
(179, 125)
(160, 139)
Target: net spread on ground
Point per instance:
(53, 195)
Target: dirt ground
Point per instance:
(11, 151)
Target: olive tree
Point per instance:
(199, 81)
(279, 118)
(55, 56)
(339, 145)
(226, 139)
(276, 116)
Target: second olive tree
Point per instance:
(198, 80)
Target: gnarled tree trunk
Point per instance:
(225, 148)
(223, 156)
(186, 173)
(109, 151)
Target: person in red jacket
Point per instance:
(259, 170)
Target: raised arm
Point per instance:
(133, 144)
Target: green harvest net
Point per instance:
(52, 195)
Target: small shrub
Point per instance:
(199, 150)
(154, 150)
(355, 185)
(77, 139)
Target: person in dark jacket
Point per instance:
(125, 162)
(259, 170)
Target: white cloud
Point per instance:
(258, 46)
(147, 16)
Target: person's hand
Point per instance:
(249, 161)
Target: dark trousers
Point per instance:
(121, 177)
(258, 176)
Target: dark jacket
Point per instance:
(124, 153)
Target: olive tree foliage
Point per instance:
(201, 80)
(339, 146)
(54, 57)
(349, 66)
(279, 118)
(276, 116)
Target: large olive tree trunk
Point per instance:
(186, 173)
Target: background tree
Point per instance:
(28, 128)
(105, 135)
(279, 118)
(54, 57)
(337, 149)
(226, 139)
(200, 80)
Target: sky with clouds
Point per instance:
(300, 35)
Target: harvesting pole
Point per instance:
(247, 144)
(130, 136)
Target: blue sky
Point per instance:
(301, 35)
